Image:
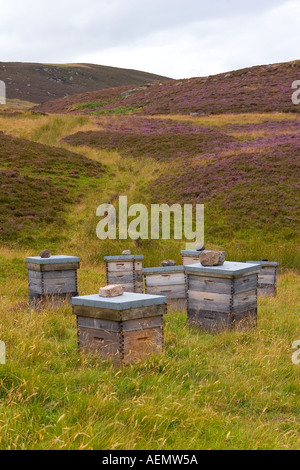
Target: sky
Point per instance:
(174, 38)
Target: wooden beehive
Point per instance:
(126, 270)
(267, 278)
(222, 297)
(52, 280)
(125, 329)
(190, 257)
(169, 281)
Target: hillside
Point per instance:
(39, 83)
(258, 89)
(235, 390)
(38, 184)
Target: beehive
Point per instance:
(52, 279)
(267, 278)
(222, 297)
(126, 270)
(169, 281)
(125, 329)
(190, 257)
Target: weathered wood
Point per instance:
(164, 279)
(170, 291)
(186, 260)
(218, 303)
(138, 266)
(106, 343)
(143, 323)
(126, 271)
(139, 287)
(52, 267)
(267, 279)
(120, 267)
(243, 299)
(209, 284)
(266, 290)
(209, 301)
(98, 323)
(138, 345)
(119, 315)
(245, 284)
(125, 336)
(51, 282)
(114, 278)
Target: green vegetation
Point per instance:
(237, 390)
(118, 110)
(91, 105)
(229, 391)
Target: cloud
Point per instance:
(178, 38)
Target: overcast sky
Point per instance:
(175, 38)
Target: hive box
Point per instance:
(222, 297)
(52, 280)
(267, 278)
(190, 257)
(126, 328)
(126, 270)
(169, 281)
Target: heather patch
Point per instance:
(23, 155)
(261, 89)
(159, 139)
(251, 191)
(37, 184)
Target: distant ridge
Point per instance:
(39, 83)
(260, 89)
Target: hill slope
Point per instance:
(41, 82)
(256, 89)
(38, 183)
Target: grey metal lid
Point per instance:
(265, 263)
(55, 259)
(229, 268)
(122, 302)
(163, 269)
(124, 258)
(190, 252)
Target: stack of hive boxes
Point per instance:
(126, 270)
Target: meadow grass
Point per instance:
(227, 391)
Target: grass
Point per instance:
(237, 390)
(118, 110)
(229, 391)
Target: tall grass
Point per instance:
(234, 390)
(229, 391)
